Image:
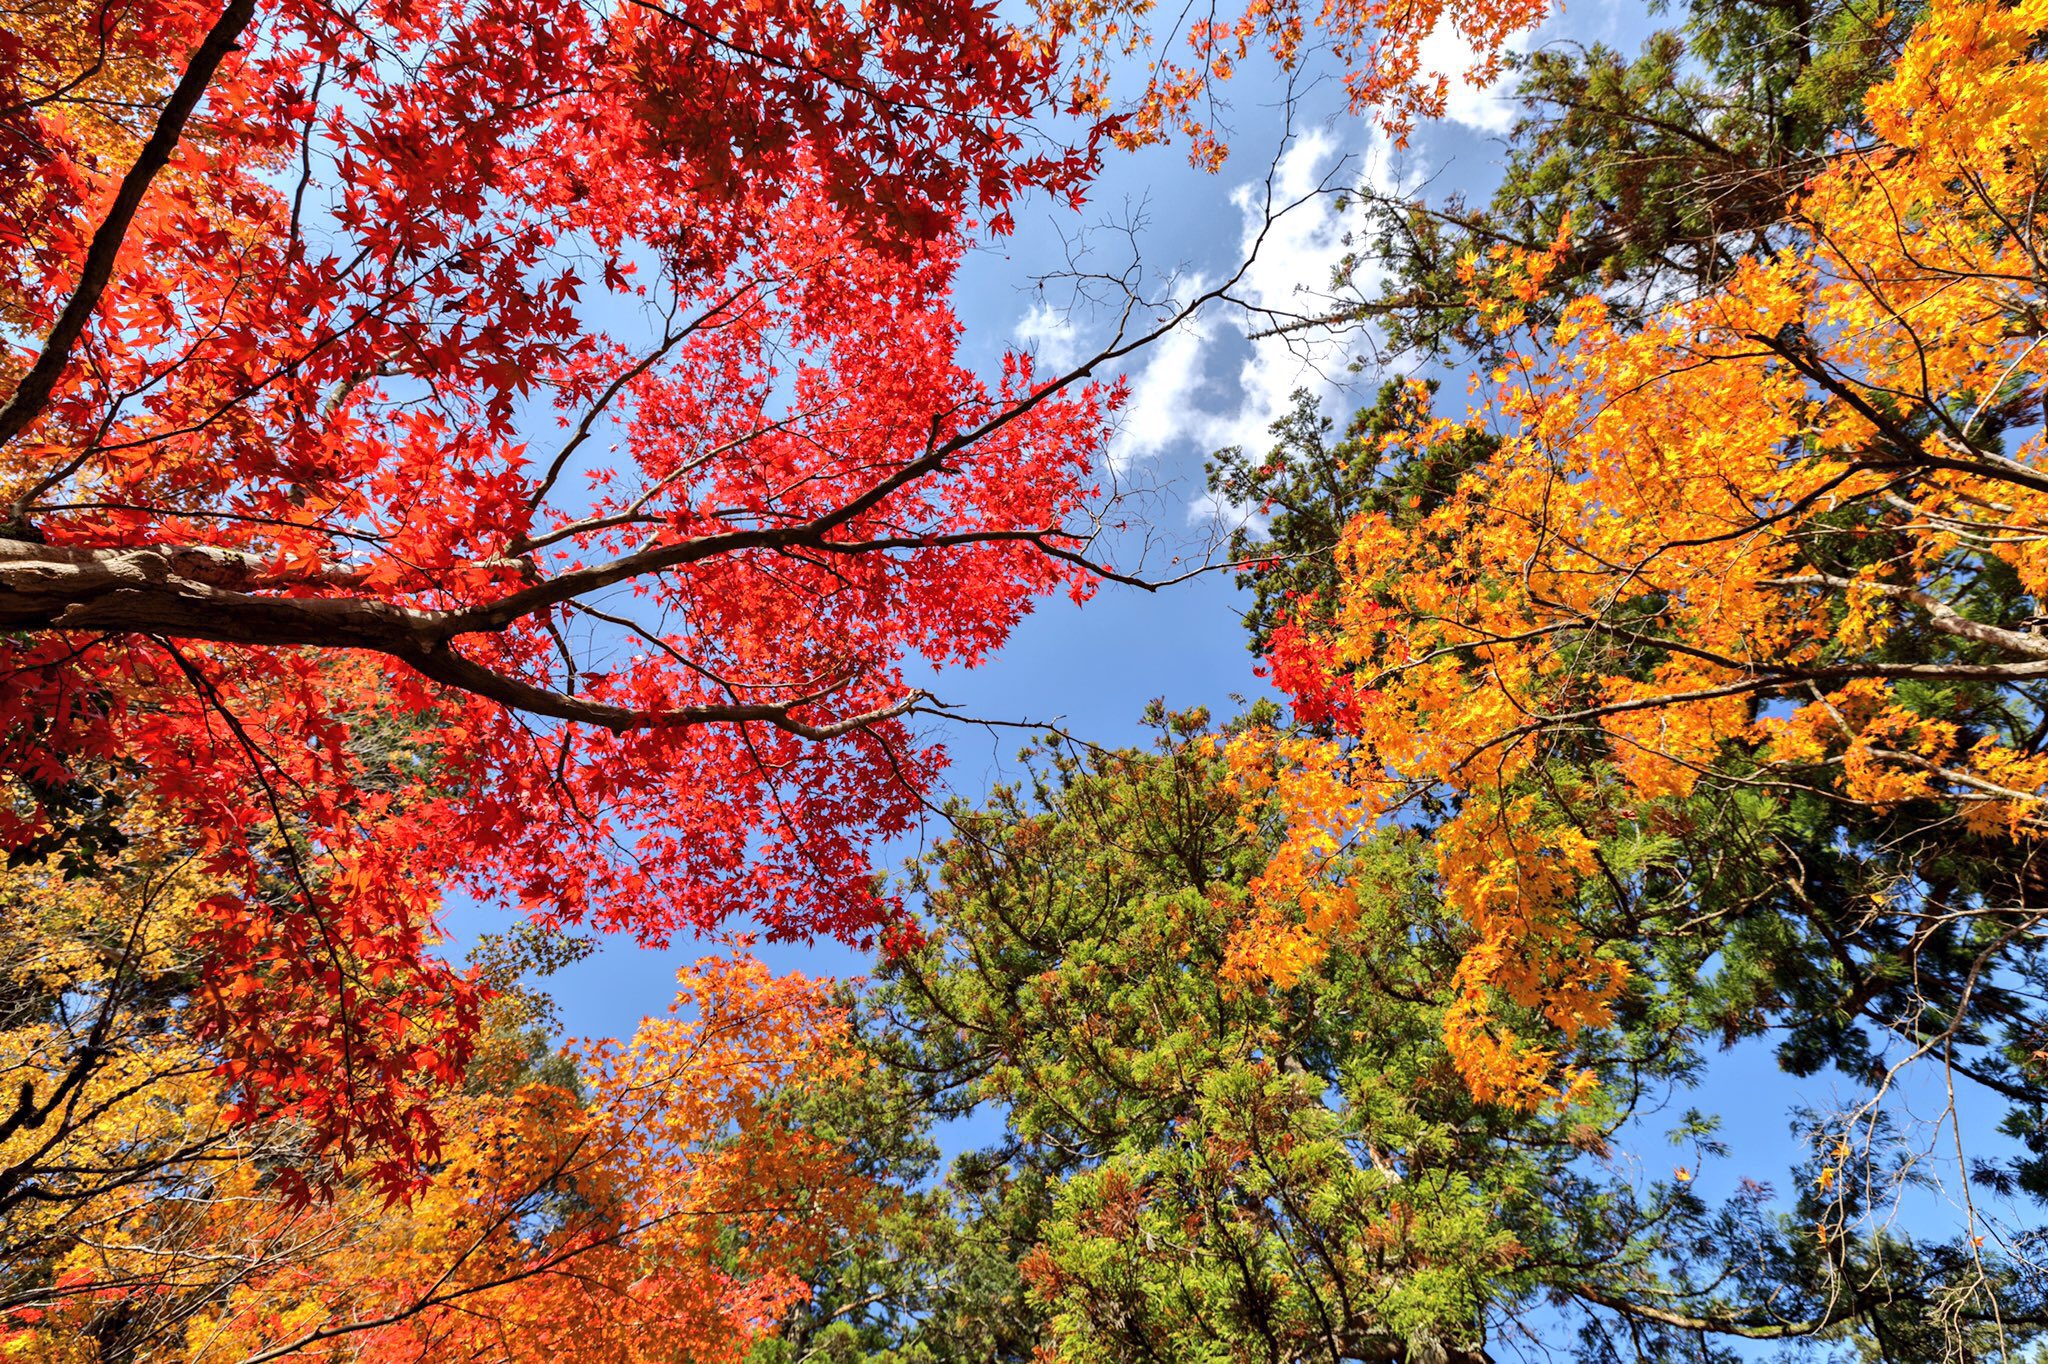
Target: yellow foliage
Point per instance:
(109, 1098)
(665, 1213)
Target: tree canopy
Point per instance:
(526, 454)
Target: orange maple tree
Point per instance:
(659, 1205)
(1762, 524)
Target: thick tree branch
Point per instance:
(32, 394)
(1940, 614)
(1713, 1325)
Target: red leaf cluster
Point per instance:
(503, 446)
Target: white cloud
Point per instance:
(1161, 411)
(1488, 108)
(1207, 385)
(1180, 396)
(1050, 336)
(1289, 278)
(1224, 517)
(1210, 383)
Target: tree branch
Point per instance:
(32, 394)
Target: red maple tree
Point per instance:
(292, 288)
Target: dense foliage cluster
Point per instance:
(523, 451)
